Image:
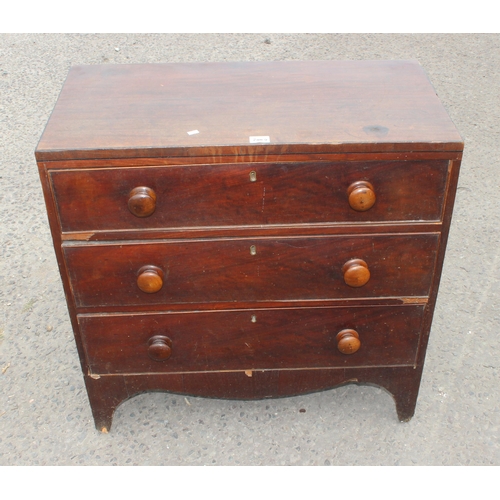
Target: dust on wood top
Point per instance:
(147, 110)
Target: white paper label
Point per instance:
(259, 139)
(193, 132)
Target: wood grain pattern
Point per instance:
(65, 163)
(245, 275)
(225, 270)
(252, 340)
(223, 195)
(281, 304)
(108, 392)
(278, 231)
(304, 106)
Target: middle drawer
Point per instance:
(250, 270)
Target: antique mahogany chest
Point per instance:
(249, 230)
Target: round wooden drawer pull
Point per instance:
(159, 348)
(356, 273)
(150, 279)
(348, 341)
(142, 201)
(361, 196)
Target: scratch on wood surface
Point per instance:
(414, 300)
(248, 373)
(76, 236)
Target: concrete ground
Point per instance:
(45, 417)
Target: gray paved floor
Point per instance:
(44, 414)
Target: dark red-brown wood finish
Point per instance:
(226, 195)
(211, 265)
(250, 269)
(252, 339)
(303, 106)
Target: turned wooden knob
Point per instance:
(361, 196)
(348, 341)
(356, 272)
(159, 348)
(142, 201)
(150, 279)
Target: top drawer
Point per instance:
(247, 194)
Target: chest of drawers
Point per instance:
(249, 230)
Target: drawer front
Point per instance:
(246, 340)
(253, 269)
(246, 194)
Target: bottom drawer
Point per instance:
(250, 339)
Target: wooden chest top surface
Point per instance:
(127, 111)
